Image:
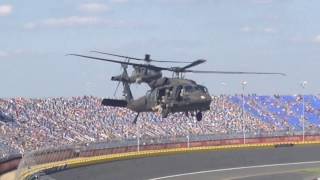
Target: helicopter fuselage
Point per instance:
(185, 96)
(167, 95)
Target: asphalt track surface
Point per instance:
(252, 163)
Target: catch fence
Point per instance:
(90, 149)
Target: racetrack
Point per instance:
(265, 163)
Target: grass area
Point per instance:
(313, 171)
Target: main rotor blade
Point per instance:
(139, 59)
(235, 72)
(116, 55)
(148, 66)
(177, 69)
(194, 63)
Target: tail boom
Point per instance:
(114, 102)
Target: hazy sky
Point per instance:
(239, 35)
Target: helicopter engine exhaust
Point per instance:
(120, 78)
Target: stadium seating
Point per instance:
(28, 124)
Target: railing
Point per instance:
(66, 152)
(9, 158)
(9, 163)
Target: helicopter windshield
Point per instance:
(202, 88)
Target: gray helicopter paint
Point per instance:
(167, 95)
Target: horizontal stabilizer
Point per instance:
(114, 102)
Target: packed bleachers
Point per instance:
(6, 150)
(285, 112)
(36, 123)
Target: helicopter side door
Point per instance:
(164, 94)
(151, 99)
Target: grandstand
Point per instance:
(38, 123)
(4, 118)
(6, 150)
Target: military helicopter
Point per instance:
(166, 95)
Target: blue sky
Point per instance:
(235, 35)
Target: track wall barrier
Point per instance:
(55, 159)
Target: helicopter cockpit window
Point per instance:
(188, 89)
(202, 88)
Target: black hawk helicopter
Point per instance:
(166, 95)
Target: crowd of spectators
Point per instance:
(38, 123)
(6, 150)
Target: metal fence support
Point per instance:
(117, 146)
(188, 141)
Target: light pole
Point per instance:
(303, 85)
(243, 83)
(138, 136)
(223, 84)
(188, 136)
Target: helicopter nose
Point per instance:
(201, 101)
(202, 98)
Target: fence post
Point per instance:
(188, 141)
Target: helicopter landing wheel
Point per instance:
(165, 113)
(199, 116)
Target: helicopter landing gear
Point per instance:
(199, 116)
(136, 118)
(165, 113)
